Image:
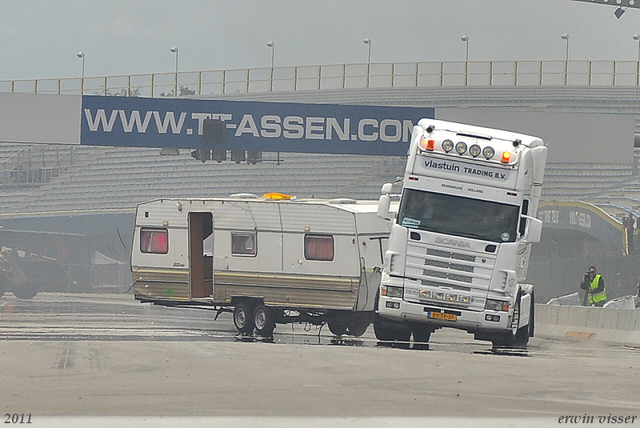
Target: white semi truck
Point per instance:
(459, 248)
(271, 259)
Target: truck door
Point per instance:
(200, 264)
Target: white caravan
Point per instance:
(459, 248)
(273, 259)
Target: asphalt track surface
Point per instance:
(106, 360)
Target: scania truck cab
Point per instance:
(459, 246)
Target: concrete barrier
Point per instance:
(608, 325)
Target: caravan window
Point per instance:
(318, 247)
(243, 244)
(154, 241)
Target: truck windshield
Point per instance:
(455, 215)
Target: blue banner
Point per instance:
(248, 125)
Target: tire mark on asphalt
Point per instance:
(66, 356)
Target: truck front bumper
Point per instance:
(398, 309)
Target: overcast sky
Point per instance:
(40, 39)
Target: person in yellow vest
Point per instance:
(593, 284)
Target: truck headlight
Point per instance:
(390, 291)
(497, 305)
(488, 152)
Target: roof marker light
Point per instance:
(506, 157)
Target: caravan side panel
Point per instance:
(284, 272)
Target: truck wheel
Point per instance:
(337, 327)
(522, 337)
(358, 327)
(264, 320)
(25, 291)
(422, 334)
(243, 317)
(509, 338)
(524, 333)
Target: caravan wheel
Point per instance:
(264, 320)
(26, 291)
(358, 327)
(338, 327)
(243, 317)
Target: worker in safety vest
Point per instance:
(593, 284)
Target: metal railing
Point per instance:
(380, 75)
(32, 168)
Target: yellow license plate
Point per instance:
(442, 316)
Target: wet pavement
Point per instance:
(108, 355)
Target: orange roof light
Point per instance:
(506, 157)
(427, 144)
(276, 196)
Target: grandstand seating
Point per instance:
(103, 179)
(119, 178)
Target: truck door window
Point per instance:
(243, 244)
(318, 247)
(523, 221)
(154, 241)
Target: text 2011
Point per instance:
(17, 418)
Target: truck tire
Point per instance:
(422, 333)
(264, 320)
(510, 338)
(524, 333)
(243, 317)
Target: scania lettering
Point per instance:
(459, 247)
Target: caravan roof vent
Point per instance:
(244, 196)
(343, 201)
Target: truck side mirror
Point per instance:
(384, 203)
(534, 229)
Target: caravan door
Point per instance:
(200, 254)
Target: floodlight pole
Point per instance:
(367, 41)
(565, 37)
(273, 50)
(175, 90)
(81, 56)
(465, 39)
